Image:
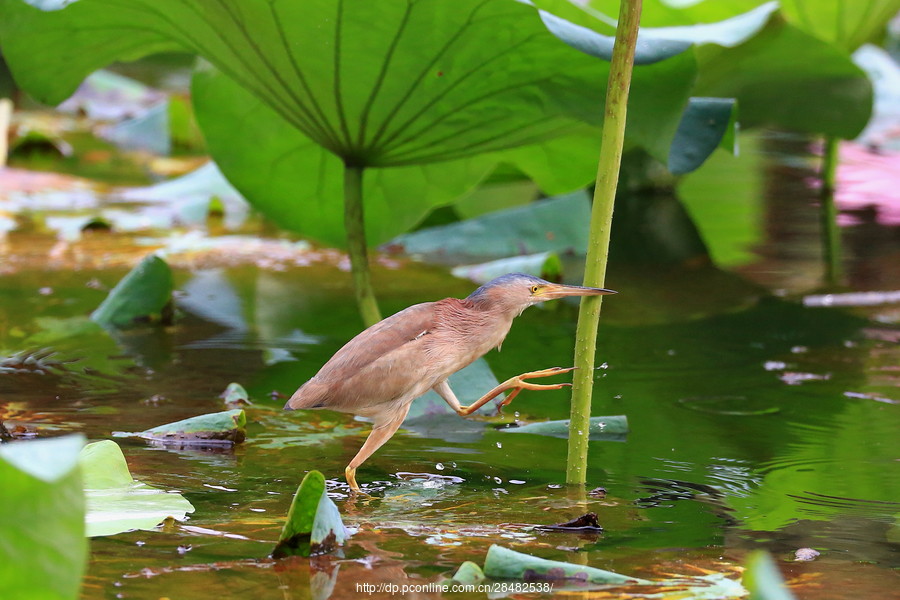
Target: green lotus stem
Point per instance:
(611, 142)
(356, 245)
(831, 234)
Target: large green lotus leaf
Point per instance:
(142, 294)
(779, 73)
(402, 85)
(556, 225)
(787, 78)
(848, 24)
(591, 30)
(43, 552)
(299, 184)
(115, 501)
(382, 84)
(599, 14)
(314, 524)
(560, 165)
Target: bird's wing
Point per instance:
(374, 367)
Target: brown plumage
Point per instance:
(382, 370)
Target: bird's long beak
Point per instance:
(553, 291)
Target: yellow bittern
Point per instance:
(382, 370)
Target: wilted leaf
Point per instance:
(601, 428)
(502, 563)
(43, 553)
(586, 523)
(226, 427)
(314, 523)
(142, 294)
(115, 501)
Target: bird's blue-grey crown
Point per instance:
(508, 279)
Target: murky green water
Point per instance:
(756, 421)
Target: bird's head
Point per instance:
(518, 291)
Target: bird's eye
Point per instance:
(534, 289)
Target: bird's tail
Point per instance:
(311, 394)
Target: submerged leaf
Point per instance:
(43, 552)
(143, 293)
(115, 501)
(601, 428)
(763, 578)
(226, 427)
(314, 523)
(502, 563)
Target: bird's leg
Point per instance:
(516, 384)
(381, 432)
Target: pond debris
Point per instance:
(314, 524)
(586, 523)
(805, 554)
(225, 428)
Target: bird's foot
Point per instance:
(519, 382)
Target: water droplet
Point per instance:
(499, 445)
(554, 486)
(497, 480)
(517, 481)
(604, 366)
(439, 466)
